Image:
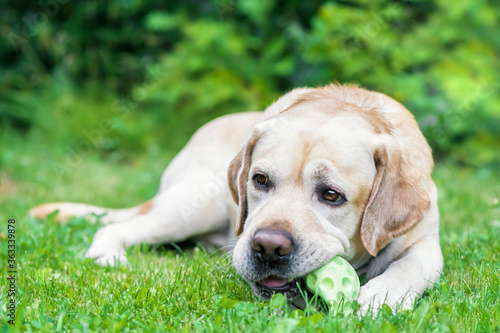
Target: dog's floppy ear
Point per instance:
(237, 175)
(397, 201)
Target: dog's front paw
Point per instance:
(107, 247)
(378, 292)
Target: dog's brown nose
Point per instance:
(272, 245)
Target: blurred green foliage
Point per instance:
(174, 65)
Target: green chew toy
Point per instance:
(334, 281)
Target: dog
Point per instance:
(322, 172)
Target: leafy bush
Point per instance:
(184, 63)
(437, 58)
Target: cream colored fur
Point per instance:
(364, 144)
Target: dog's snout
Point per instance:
(272, 245)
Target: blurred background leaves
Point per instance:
(157, 70)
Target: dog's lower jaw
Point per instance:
(294, 297)
(293, 292)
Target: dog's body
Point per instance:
(322, 172)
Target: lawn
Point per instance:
(189, 289)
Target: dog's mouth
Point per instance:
(278, 283)
(290, 287)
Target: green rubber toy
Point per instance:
(335, 282)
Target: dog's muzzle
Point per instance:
(273, 251)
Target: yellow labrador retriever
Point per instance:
(322, 172)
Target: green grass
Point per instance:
(192, 290)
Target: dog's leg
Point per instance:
(90, 212)
(405, 279)
(194, 206)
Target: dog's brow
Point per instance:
(330, 175)
(264, 168)
(320, 169)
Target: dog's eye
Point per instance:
(261, 180)
(332, 196)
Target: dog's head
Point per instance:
(332, 171)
